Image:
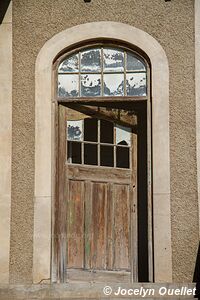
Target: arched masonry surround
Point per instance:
(44, 140)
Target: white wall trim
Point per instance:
(5, 141)
(44, 140)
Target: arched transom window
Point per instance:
(102, 72)
(100, 136)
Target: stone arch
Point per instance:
(44, 140)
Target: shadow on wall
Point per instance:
(3, 8)
(196, 277)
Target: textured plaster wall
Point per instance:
(172, 24)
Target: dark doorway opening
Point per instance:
(3, 9)
(143, 257)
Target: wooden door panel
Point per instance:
(99, 219)
(110, 222)
(100, 174)
(75, 224)
(121, 227)
(98, 226)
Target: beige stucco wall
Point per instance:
(172, 24)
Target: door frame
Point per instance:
(59, 249)
(44, 140)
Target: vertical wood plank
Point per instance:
(115, 148)
(110, 227)
(88, 224)
(75, 225)
(61, 198)
(55, 197)
(121, 228)
(134, 234)
(99, 194)
(133, 213)
(98, 139)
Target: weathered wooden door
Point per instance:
(100, 194)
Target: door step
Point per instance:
(93, 291)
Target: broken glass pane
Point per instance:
(136, 84)
(122, 157)
(67, 85)
(69, 65)
(75, 130)
(113, 60)
(90, 130)
(134, 64)
(90, 85)
(106, 132)
(90, 154)
(123, 135)
(91, 60)
(74, 152)
(106, 156)
(113, 84)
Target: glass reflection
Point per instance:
(90, 85)
(113, 84)
(68, 85)
(113, 60)
(75, 130)
(91, 60)
(134, 64)
(90, 78)
(136, 84)
(69, 65)
(123, 135)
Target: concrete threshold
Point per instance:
(93, 291)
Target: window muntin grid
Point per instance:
(102, 72)
(112, 149)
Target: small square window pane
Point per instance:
(90, 154)
(106, 132)
(75, 130)
(68, 85)
(91, 60)
(113, 60)
(134, 64)
(123, 135)
(90, 85)
(136, 84)
(122, 157)
(106, 156)
(113, 84)
(69, 65)
(74, 152)
(90, 129)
